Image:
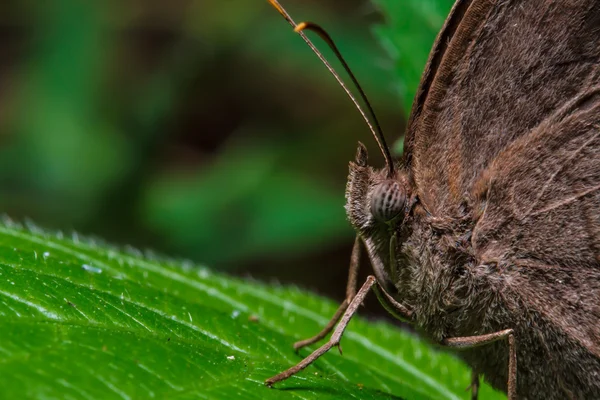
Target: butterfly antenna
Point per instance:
(374, 127)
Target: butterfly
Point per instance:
(486, 234)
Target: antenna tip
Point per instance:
(300, 27)
(276, 5)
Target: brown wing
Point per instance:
(508, 117)
(497, 71)
(539, 218)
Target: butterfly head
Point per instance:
(373, 198)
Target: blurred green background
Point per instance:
(203, 129)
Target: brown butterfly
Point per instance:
(486, 235)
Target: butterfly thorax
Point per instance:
(425, 263)
(441, 280)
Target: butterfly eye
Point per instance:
(388, 201)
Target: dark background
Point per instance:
(201, 129)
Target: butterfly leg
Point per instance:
(335, 337)
(474, 386)
(476, 341)
(350, 293)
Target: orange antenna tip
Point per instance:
(276, 5)
(374, 125)
(300, 27)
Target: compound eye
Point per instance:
(388, 201)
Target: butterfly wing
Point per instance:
(507, 118)
(497, 71)
(539, 212)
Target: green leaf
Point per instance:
(83, 320)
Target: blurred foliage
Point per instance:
(83, 320)
(407, 34)
(199, 127)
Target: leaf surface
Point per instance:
(84, 320)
